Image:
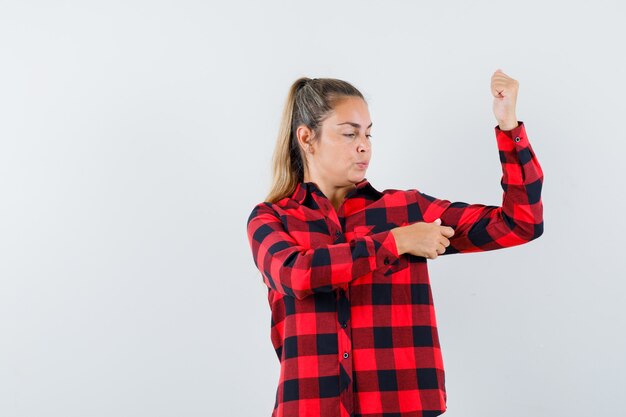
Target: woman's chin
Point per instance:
(357, 177)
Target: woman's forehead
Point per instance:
(351, 111)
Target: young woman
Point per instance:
(352, 316)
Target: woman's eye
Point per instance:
(351, 135)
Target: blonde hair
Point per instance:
(309, 102)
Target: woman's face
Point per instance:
(342, 152)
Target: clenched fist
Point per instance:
(504, 90)
(428, 240)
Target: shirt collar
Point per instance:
(305, 189)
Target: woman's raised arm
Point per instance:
(479, 227)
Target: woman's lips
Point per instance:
(362, 165)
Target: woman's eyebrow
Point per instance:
(358, 126)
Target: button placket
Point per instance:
(343, 315)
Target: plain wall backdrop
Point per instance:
(136, 137)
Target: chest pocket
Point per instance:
(401, 263)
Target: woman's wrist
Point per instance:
(508, 125)
(396, 235)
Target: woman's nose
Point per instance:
(363, 144)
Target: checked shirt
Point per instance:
(352, 322)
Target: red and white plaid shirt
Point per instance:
(352, 322)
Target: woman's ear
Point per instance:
(305, 135)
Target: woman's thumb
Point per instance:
(438, 221)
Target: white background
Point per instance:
(136, 137)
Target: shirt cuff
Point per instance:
(385, 249)
(514, 138)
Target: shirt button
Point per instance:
(517, 139)
(345, 355)
(386, 261)
(343, 324)
(341, 292)
(337, 233)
